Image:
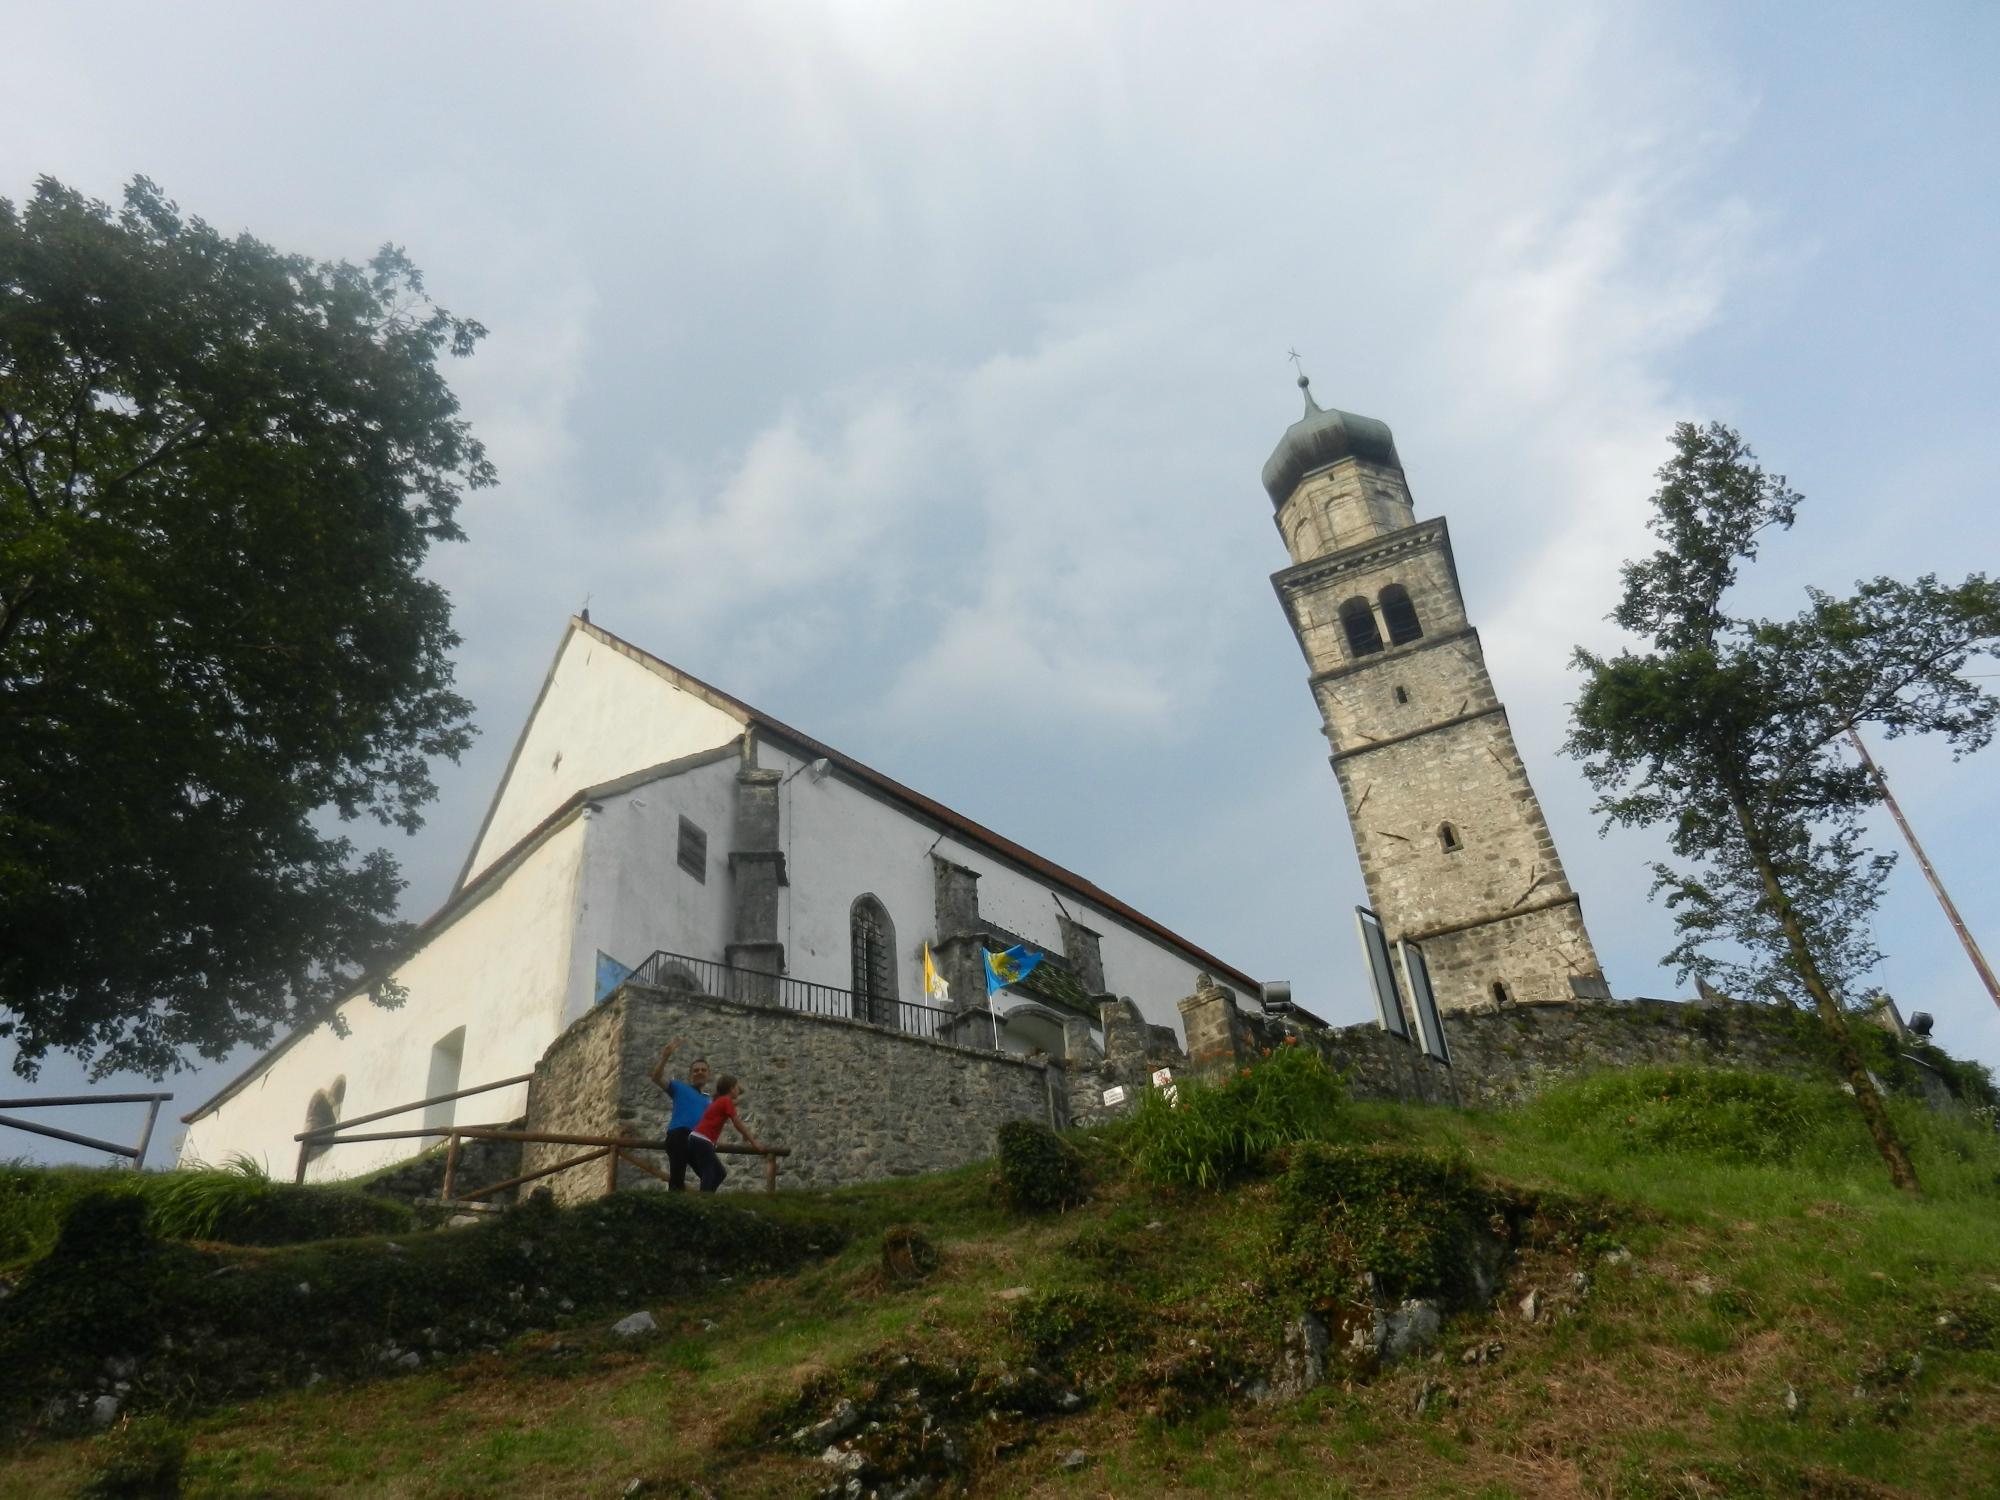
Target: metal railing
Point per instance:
(135, 1154)
(704, 976)
(611, 1150)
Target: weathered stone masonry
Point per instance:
(854, 1102)
(1454, 850)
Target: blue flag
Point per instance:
(610, 974)
(1011, 967)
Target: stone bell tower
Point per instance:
(1454, 849)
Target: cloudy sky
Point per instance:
(907, 369)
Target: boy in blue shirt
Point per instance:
(689, 1102)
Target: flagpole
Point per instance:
(1923, 863)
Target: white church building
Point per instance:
(653, 820)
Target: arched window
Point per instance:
(1448, 839)
(1359, 621)
(1400, 614)
(872, 948)
(1500, 995)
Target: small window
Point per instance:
(693, 856)
(1400, 615)
(447, 1064)
(1402, 693)
(1363, 638)
(1500, 995)
(1448, 838)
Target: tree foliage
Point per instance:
(221, 468)
(1730, 732)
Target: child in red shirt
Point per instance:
(703, 1138)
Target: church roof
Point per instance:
(930, 810)
(1323, 437)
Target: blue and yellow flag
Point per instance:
(1011, 967)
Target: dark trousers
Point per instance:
(707, 1165)
(677, 1160)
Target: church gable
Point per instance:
(605, 711)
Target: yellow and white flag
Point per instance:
(934, 983)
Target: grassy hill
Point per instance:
(1652, 1285)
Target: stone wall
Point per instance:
(1506, 1054)
(853, 1101)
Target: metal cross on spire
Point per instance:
(1305, 380)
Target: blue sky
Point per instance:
(880, 362)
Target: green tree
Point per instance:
(221, 468)
(1729, 731)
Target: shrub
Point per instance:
(1212, 1134)
(239, 1207)
(1040, 1172)
(34, 1201)
(236, 1205)
(1410, 1219)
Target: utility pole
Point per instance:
(1923, 863)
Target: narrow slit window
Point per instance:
(447, 1066)
(1400, 615)
(1448, 839)
(693, 855)
(1402, 693)
(1358, 620)
(1500, 995)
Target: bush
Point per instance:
(1717, 1114)
(1214, 1133)
(139, 1459)
(35, 1200)
(239, 1205)
(1410, 1219)
(1040, 1172)
(236, 1205)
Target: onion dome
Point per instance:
(1320, 438)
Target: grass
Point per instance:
(1726, 1283)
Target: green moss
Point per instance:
(1409, 1219)
(208, 1324)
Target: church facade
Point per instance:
(1455, 853)
(645, 815)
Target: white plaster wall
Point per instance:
(635, 897)
(841, 841)
(500, 970)
(604, 715)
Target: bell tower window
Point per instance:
(1363, 638)
(1400, 615)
